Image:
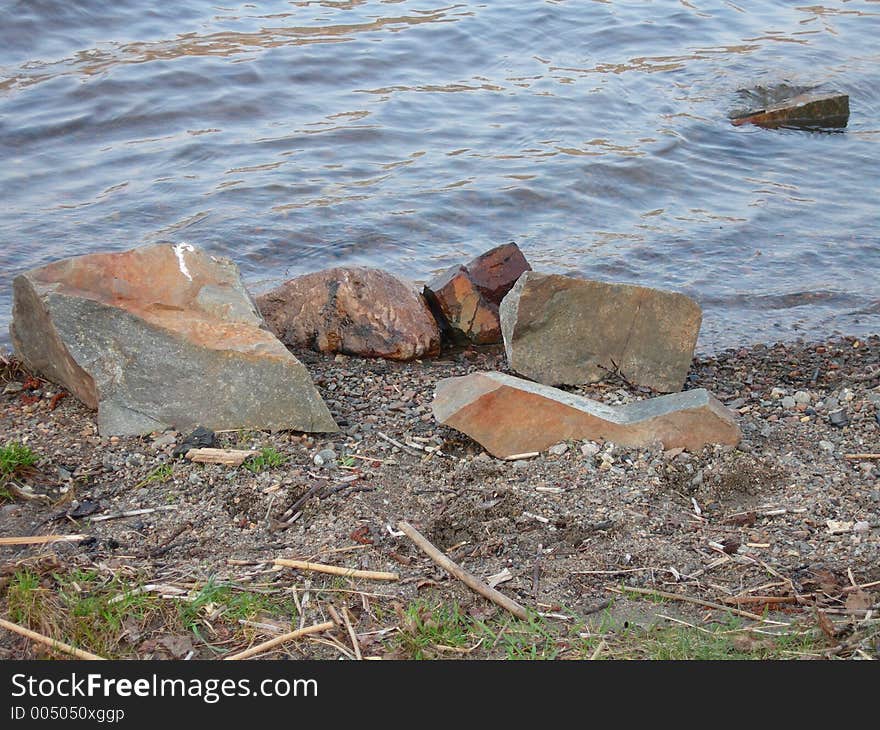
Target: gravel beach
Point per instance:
(788, 523)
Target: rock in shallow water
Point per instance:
(806, 111)
(509, 415)
(161, 336)
(353, 310)
(560, 330)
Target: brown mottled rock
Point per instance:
(161, 336)
(560, 330)
(804, 111)
(352, 310)
(509, 416)
(465, 299)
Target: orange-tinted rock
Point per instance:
(465, 299)
(509, 416)
(495, 272)
(807, 111)
(461, 309)
(161, 336)
(352, 310)
(560, 330)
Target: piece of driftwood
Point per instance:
(227, 457)
(336, 570)
(48, 641)
(456, 571)
(279, 640)
(861, 456)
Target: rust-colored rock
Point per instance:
(352, 310)
(465, 299)
(560, 330)
(509, 416)
(161, 336)
(806, 111)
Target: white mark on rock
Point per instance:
(178, 251)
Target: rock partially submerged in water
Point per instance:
(353, 310)
(805, 111)
(465, 299)
(161, 336)
(560, 330)
(510, 416)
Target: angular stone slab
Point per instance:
(161, 336)
(560, 330)
(807, 111)
(353, 310)
(508, 415)
(465, 299)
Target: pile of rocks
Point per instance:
(167, 336)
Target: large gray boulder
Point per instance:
(509, 416)
(560, 330)
(161, 336)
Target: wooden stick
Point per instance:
(133, 513)
(861, 456)
(336, 570)
(352, 635)
(456, 571)
(741, 600)
(396, 443)
(687, 599)
(279, 640)
(595, 655)
(227, 457)
(41, 539)
(58, 645)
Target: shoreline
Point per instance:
(594, 519)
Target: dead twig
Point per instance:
(48, 641)
(760, 600)
(399, 445)
(470, 580)
(42, 539)
(689, 599)
(616, 373)
(336, 570)
(132, 513)
(352, 635)
(279, 640)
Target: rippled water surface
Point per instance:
(292, 136)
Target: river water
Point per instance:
(293, 136)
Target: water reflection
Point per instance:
(295, 135)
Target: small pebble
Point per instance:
(838, 418)
(861, 526)
(788, 402)
(802, 396)
(325, 457)
(558, 449)
(590, 448)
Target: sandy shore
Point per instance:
(790, 516)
